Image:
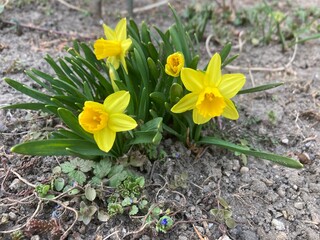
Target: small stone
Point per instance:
(285, 141)
(249, 235)
(278, 224)
(244, 170)
(299, 205)
(282, 236)
(224, 237)
(12, 216)
(145, 237)
(182, 238)
(259, 187)
(35, 237)
(281, 192)
(15, 184)
(314, 187)
(200, 229)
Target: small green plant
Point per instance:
(224, 214)
(86, 212)
(164, 224)
(127, 196)
(42, 190)
(197, 16)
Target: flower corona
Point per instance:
(104, 120)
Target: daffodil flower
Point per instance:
(104, 120)
(115, 47)
(210, 92)
(175, 62)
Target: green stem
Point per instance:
(197, 132)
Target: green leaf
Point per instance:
(115, 170)
(285, 161)
(229, 60)
(28, 106)
(59, 184)
(225, 51)
(181, 37)
(51, 147)
(28, 91)
(230, 223)
(116, 179)
(67, 167)
(260, 88)
(102, 168)
(126, 201)
(142, 204)
(78, 176)
(223, 202)
(134, 210)
(90, 193)
(82, 165)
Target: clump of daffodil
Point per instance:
(104, 120)
(116, 45)
(210, 92)
(175, 62)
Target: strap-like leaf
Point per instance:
(260, 88)
(285, 161)
(52, 147)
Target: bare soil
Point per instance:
(268, 201)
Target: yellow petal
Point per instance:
(192, 79)
(213, 73)
(105, 139)
(125, 45)
(110, 34)
(198, 118)
(106, 48)
(117, 102)
(186, 103)
(115, 61)
(120, 122)
(124, 63)
(231, 84)
(230, 110)
(121, 29)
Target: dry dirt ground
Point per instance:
(267, 201)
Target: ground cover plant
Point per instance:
(118, 99)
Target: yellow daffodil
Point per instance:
(104, 120)
(115, 47)
(175, 63)
(210, 92)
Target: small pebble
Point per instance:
(182, 238)
(278, 224)
(281, 236)
(299, 205)
(225, 237)
(12, 216)
(244, 169)
(285, 141)
(35, 237)
(15, 184)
